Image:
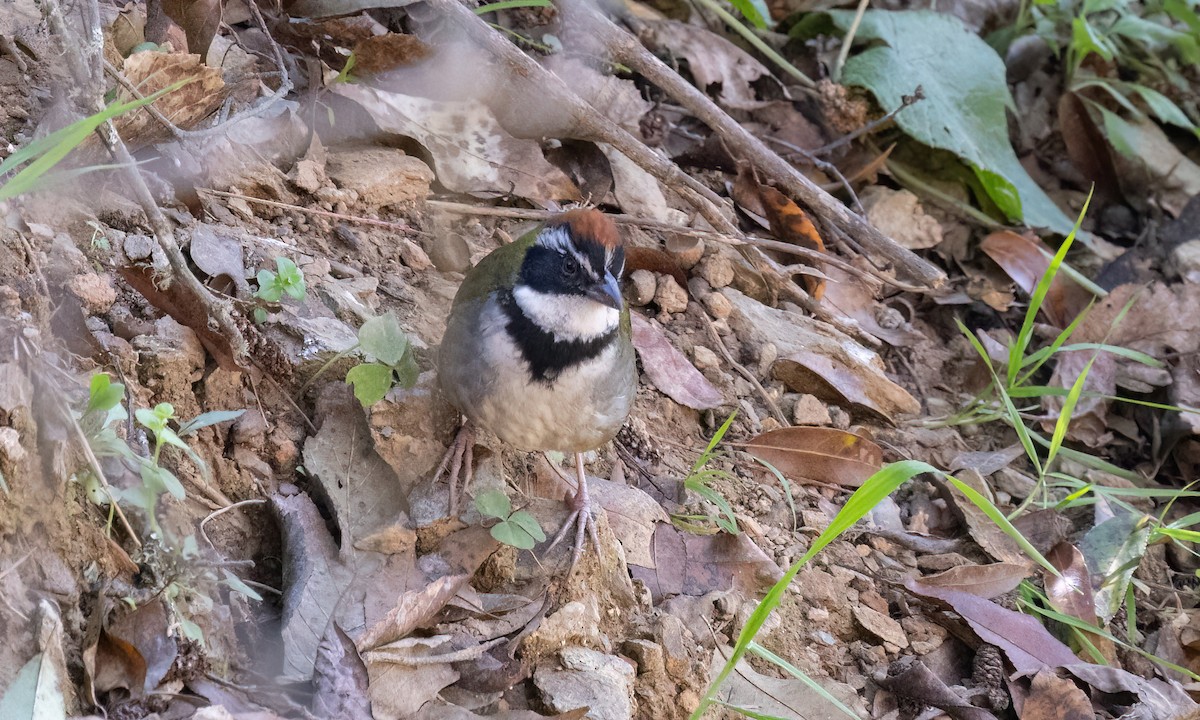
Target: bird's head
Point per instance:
(569, 283)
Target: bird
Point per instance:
(538, 351)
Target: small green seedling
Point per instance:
(390, 360)
(519, 529)
(289, 280)
(698, 481)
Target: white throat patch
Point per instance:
(566, 317)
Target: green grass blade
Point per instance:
(795, 672)
(510, 5)
(876, 487)
(1002, 522)
(1064, 415)
(51, 149)
(1017, 352)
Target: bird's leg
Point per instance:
(460, 451)
(580, 517)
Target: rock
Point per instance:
(810, 411)
(602, 683)
(94, 291)
(718, 305)
(406, 425)
(575, 623)
(898, 214)
(717, 270)
(705, 358)
(814, 357)
(669, 296)
(1187, 260)
(307, 343)
(687, 250)
(448, 249)
(699, 288)
(413, 255)
(381, 176)
(881, 626)
(648, 655)
(642, 285)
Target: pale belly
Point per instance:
(582, 409)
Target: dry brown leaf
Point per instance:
(669, 370)
(986, 581)
(792, 225)
(340, 685)
(1023, 258)
(782, 697)
(1026, 643)
(821, 454)
(178, 301)
(150, 72)
(1070, 593)
(118, 665)
(691, 564)
(471, 152)
(1054, 698)
(913, 679)
(1086, 146)
(406, 674)
(712, 60)
(200, 20)
(380, 53)
(633, 516)
(817, 359)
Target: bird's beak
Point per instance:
(607, 294)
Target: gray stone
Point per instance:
(587, 678)
(381, 176)
(641, 287)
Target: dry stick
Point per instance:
(588, 123)
(771, 404)
(399, 227)
(775, 245)
(629, 51)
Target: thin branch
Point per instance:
(398, 227)
(905, 101)
(749, 376)
(629, 51)
(826, 167)
(844, 51)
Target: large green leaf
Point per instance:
(965, 100)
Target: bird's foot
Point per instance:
(459, 453)
(580, 518)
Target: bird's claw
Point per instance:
(460, 453)
(582, 520)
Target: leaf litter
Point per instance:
(357, 584)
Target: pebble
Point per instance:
(717, 270)
(95, 292)
(705, 358)
(809, 410)
(642, 286)
(669, 296)
(718, 305)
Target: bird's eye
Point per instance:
(570, 266)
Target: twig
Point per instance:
(844, 51)
(826, 167)
(221, 511)
(774, 245)
(629, 51)
(905, 101)
(588, 124)
(470, 653)
(741, 370)
(399, 227)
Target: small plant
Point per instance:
(516, 528)
(272, 286)
(699, 481)
(390, 360)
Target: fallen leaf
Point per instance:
(817, 359)
(1086, 146)
(792, 225)
(669, 370)
(783, 697)
(1071, 594)
(1026, 259)
(150, 72)
(691, 564)
(377, 54)
(200, 20)
(712, 60)
(988, 461)
(655, 260)
(916, 681)
(1146, 158)
(406, 674)
(821, 454)
(471, 152)
(633, 515)
(1160, 700)
(177, 300)
(1026, 643)
(1054, 698)
(218, 252)
(118, 665)
(340, 683)
(148, 629)
(857, 300)
(985, 581)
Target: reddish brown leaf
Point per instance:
(1055, 698)
(792, 225)
(1024, 259)
(380, 53)
(821, 454)
(669, 370)
(654, 260)
(985, 581)
(118, 665)
(150, 72)
(1086, 146)
(1072, 593)
(199, 19)
(1028, 645)
(178, 301)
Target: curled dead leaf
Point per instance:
(669, 370)
(820, 454)
(150, 72)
